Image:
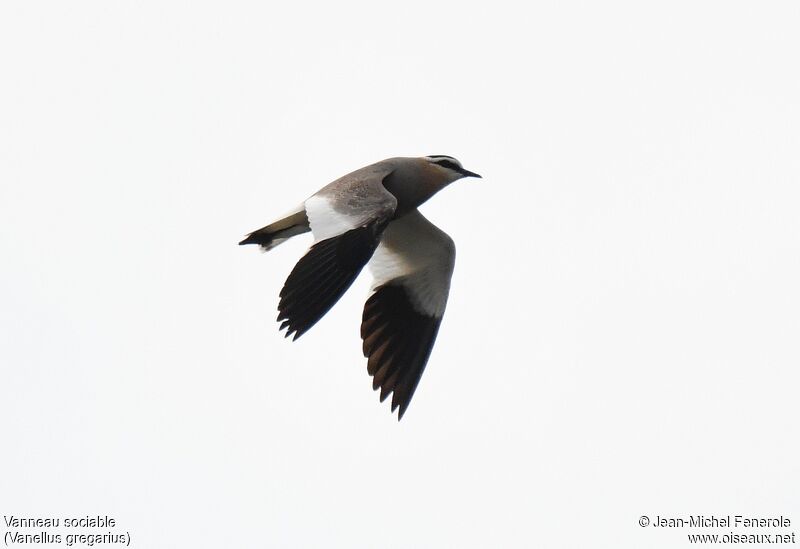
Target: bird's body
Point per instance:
(370, 215)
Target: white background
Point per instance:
(622, 334)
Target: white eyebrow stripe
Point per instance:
(445, 161)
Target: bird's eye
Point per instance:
(448, 164)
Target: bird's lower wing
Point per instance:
(412, 267)
(347, 218)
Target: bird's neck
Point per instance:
(412, 189)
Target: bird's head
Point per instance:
(448, 167)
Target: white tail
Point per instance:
(280, 231)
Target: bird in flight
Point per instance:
(370, 215)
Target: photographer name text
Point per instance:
(721, 521)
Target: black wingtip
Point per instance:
(322, 275)
(398, 341)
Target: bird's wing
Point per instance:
(412, 267)
(346, 218)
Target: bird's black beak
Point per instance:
(467, 173)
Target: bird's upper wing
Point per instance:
(412, 267)
(346, 218)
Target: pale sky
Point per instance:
(621, 336)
